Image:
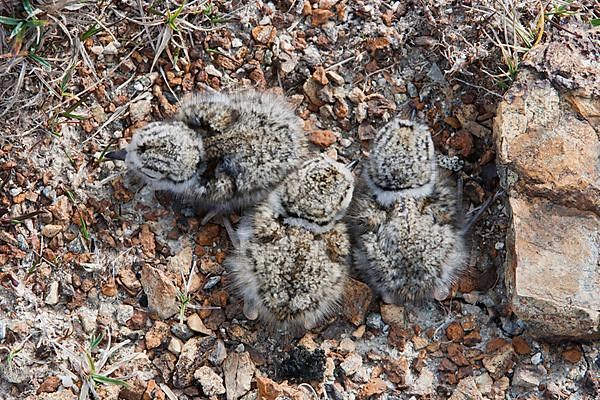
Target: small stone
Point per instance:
(423, 385)
(192, 357)
(49, 385)
(335, 78)
(453, 122)
(124, 313)
(97, 50)
(347, 345)
(572, 355)
(536, 359)
(319, 16)
(320, 76)
(52, 296)
(419, 342)
(211, 70)
(466, 389)
(345, 142)
(139, 109)
(520, 345)
(212, 384)
(175, 345)
(359, 332)
(373, 387)
(455, 332)
(264, 34)
(462, 142)
(484, 383)
(157, 335)
(218, 354)
(374, 321)
(161, 293)
(351, 363)
(392, 314)
(182, 331)
(50, 231)
(526, 377)
(270, 390)
(323, 138)
(358, 298)
(195, 323)
(238, 369)
(211, 282)
(362, 375)
(110, 49)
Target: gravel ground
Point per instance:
(90, 259)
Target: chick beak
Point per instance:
(352, 164)
(116, 155)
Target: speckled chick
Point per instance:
(224, 151)
(405, 219)
(292, 263)
(253, 140)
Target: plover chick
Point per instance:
(251, 141)
(405, 218)
(292, 263)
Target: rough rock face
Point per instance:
(553, 270)
(548, 138)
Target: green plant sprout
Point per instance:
(91, 364)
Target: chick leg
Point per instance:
(233, 236)
(209, 215)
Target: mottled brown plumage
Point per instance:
(405, 219)
(292, 263)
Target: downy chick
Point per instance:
(251, 141)
(292, 263)
(405, 218)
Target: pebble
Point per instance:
(161, 293)
(124, 313)
(175, 345)
(211, 282)
(351, 364)
(22, 242)
(211, 70)
(49, 193)
(195, 323)
(110, 49)
(212, 384)
(52, 296)
(97, 50)
(218, 353)
(182, 331)
(374, 321)
(51, 231)
(75, 246)
(347, 345)
(345, 142)
(412, 89)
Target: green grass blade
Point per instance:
(10, 21)
(108, 381)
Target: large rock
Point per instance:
(553, 273)
(547, 130)
(547, 145)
